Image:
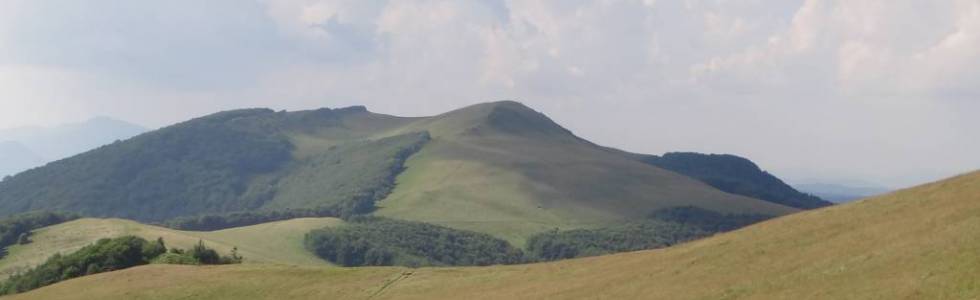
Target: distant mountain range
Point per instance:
(499, 168)
(27, 147)
(17, 157)
(840, 193)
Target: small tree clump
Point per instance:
(24, 238)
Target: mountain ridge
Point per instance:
(500, 168)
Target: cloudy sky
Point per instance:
(884, 91)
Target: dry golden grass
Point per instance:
(920, 243)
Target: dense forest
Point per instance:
(664, 228)
(16, 229)
(110, 255)
(216, 165)
(373, 241)
(632, 236)
(202, 165)
(706, 220)
(735, 175)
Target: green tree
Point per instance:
(204, 255)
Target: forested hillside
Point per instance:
(735, 175)
(223, 163)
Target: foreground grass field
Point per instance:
(920, 243)
(276, 242)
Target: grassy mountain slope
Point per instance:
(919, 243)
(276, 242)
(507, 170)
(735, 175)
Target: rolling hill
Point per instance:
(918, 243)
(276, 242)
(499, 168)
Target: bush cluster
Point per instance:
(373, 241)
(110, 255)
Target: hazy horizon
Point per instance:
(879, 91)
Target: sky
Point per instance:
(879, 91)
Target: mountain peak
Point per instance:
(500, 117)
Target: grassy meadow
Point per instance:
(273, 243)
(919, 243)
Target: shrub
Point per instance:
(110, 255)
(105, 255)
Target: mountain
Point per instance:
(840, 193)
(499, 168)
(918, 243)
(505, 169)
(17, 157)
(53, 143)
(735, 175)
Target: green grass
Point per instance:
(275, 242)
(920, 243)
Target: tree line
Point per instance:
(662, 228)
(17, 229)
(110, 255)
(374, 241)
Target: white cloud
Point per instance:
(840, 80)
